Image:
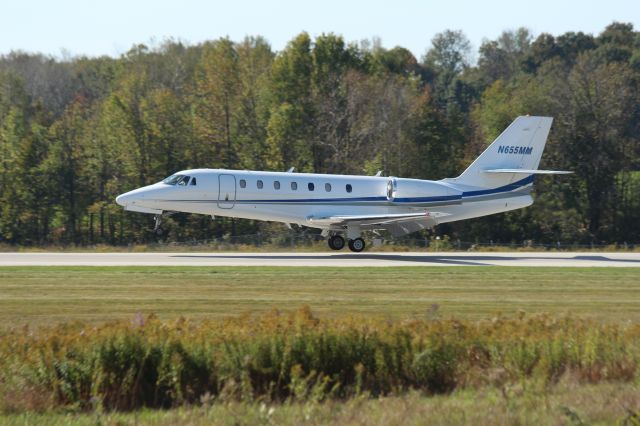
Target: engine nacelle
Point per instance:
(414, 190)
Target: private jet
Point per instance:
(345, 206)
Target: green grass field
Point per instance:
(49, 295)
(582, 394)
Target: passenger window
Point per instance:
(311, 186)
(184, 181)
(276, 184)
(327, 187)
(243, 183)
(260, 184)
(349, 188)
(193, 181)
(294, 186)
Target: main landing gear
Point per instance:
(336, 242)
(356, 245)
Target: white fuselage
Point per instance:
(300, 198)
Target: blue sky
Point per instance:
(112, 27)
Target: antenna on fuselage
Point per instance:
(291, 169)
(379, 173)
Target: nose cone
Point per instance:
(131, 197)
(137, 196)
(122, 199)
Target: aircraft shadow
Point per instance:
(470, 260)
(387, 257)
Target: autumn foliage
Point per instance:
(297, 356)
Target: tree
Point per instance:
(600, 128)
(255, 60)
(500, 59)
(76, 132)
(449, 53)
(33, 205)
(65, 169)
(290, 124)
(217, 97)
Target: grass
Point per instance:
(565, 403)
(48, 295)
(296, 358)
(403, 345)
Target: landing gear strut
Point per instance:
(157, 227)
(336, 242)
(356, 245)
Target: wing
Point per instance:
(398, 224)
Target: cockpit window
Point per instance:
(193, 181)
(181, 180)
(173, 179)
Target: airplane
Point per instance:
(499, 180)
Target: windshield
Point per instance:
(176, 180)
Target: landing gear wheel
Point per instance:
(158, 231)
(356, 245)
(336, 242)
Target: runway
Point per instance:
(369, 259)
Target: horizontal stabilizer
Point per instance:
(529, 172)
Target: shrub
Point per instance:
(150, 363)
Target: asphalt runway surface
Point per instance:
(367, 259)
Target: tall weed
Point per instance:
(296, 356)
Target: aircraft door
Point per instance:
(227, 191)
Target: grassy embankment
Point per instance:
(43, 295)
(294, 367)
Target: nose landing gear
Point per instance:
(157, 229)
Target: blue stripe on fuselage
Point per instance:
(334, 200)
(314, 200)
(506, 188)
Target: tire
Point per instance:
(356, 245)
(159, 232)
(336, 242)
(330, 242)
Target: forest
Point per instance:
(77, 131)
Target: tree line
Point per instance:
(76, 132)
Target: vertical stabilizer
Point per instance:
(516, 152)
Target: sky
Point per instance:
(111, 27)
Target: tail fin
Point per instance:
(514, 154)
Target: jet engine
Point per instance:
(414, 190)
